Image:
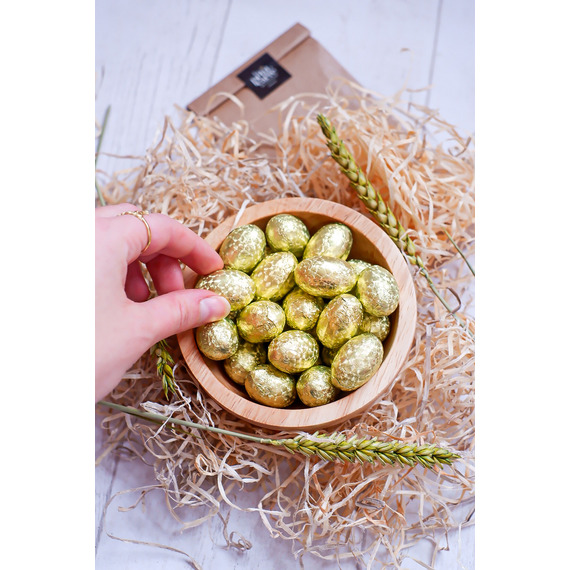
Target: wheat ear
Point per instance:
(328, 447)
(377, 207)
(164, 364)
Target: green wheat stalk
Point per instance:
(377, 207)
(334, 447)
(164, 364)
(460, 251)
(99, 142)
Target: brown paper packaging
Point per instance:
(292, 64)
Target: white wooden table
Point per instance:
(152, 55)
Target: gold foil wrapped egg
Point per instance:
(339, 320)
(359, 266)
(247, 357)
(287, 233)
(378, 291)
(261, 321)
(218, 340)
(271, 387)
(293, 351)
(331, 240)
(328, 354)
(378, 326)
(274, 276)
(325, 276)
(315, 388)
(243, 248)
(236, 286)
(356, 362)
(302, 310)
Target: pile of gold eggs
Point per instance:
(306, 321)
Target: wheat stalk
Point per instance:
(97, 151)
(367, 193)
(377, 207)
(164, 363)
(460, 251)
(336, 446)
(328, 447)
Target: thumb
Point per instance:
(180, 310)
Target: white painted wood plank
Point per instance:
(105, 480)
(453, 91)
(147, 60)
(384, 44)
(154, 58)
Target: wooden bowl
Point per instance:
(370, 244)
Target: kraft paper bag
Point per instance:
(294, 63)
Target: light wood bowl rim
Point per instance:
(353, 403)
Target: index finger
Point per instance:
(168, 237)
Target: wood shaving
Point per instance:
(199, 172)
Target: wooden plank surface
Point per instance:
(152, 56)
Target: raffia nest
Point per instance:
(199, 172)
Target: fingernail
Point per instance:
(213, 308)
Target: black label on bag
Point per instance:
(264, 75)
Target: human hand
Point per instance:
(127, 322)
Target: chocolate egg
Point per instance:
(315, 388)
(378, 326)
(339, 320)
(261, 321)
(236, 286)
(243, 248)
(274, 276)
(356, 362)
(378, 291)
(271, 387)
(302, 310)
(325, 276)
(359, 266)
(217, 340)
(328, 354)
(331, 240)
(293, 351)
(247, 357)
(287, 233)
